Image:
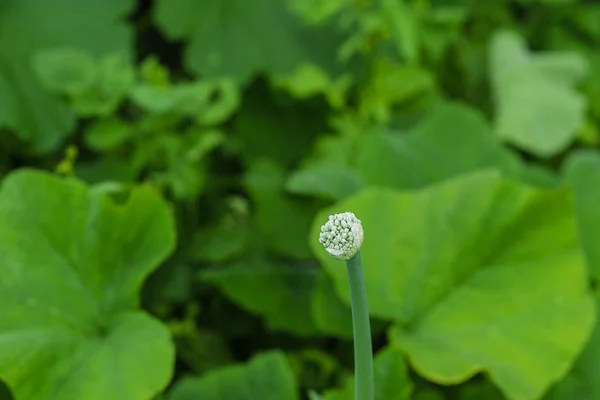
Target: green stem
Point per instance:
(363, 348)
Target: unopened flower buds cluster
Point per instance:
(342, 235)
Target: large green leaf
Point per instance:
(30, 25)
(537, 107)
(70, 271)
(479, 273)
(452, 140)
(279, 293)
(582, 382)
(267, 376)
(239, 39)
(582, 171)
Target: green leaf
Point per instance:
(267, 376)
(586, 18)
(153, 72)
(452, 140)
(70, 327)
(27, 26)
(282, 221)
(281, 294)
(155, 99)
(315, 368)
(391, 378)
(191, 99)
(537, 175)
(391, 85)
(107, 134)
(537, 107)
(582, 381)
(479, 273)
(404, 27)
(227, 101)
(345, 393)
(252, 37)
(316, 11)
(329, 181)
(330, 314)
(583, 175)
(582, 172)
(185, 99)
(309, 80)
(203, 141)
(576, 385)
(93, 87)
(442, 26)
(115, 77)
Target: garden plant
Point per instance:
(168, 169)
(342, 235)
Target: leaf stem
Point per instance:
(363, 347)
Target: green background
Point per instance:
(166, 166)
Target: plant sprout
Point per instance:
(342, 235)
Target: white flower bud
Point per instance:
(342, 235)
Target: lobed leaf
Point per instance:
(70, 273)
(479, 274)
(537, 107)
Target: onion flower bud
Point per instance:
(342, 235)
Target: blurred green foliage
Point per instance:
(165, 166)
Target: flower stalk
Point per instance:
(342, 235)
(363, 348)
